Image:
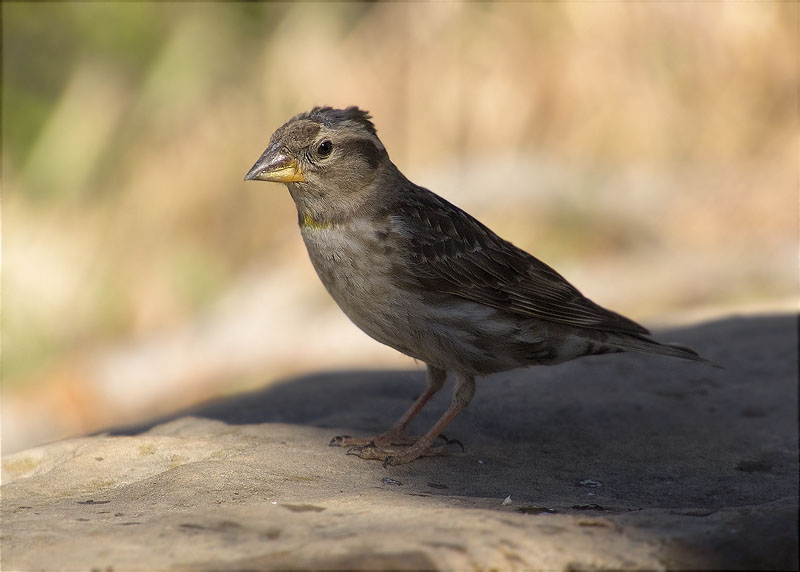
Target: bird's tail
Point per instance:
(651, 346)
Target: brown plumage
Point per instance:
(424, 277)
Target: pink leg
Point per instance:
(395, 435)
(462, 395)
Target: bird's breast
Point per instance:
(355, 263)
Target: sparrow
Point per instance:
(422, 276)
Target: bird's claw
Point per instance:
(452, 442)
(391, 438)
(373, 452)
(338, 441)
(390, 453)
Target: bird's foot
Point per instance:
(392, 437)
(423, 447)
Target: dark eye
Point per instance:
(325, 148)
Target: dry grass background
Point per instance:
(646, 150)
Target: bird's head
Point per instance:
(325, 150)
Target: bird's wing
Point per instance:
(451, 252)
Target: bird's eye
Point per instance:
(325, 148)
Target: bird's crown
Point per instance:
(332, 118)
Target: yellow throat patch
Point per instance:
(310, 223)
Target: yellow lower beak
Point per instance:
(277, 168)
(291, 173)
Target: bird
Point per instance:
(422, 276)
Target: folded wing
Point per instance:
(451, 252)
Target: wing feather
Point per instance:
(451, 252)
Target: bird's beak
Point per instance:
(275, 166)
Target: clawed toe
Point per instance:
(394, 447)
(348, 441)
(371, 451)
(392, 438)
(401, 455)
(415, 452)
(452, 442)
(339, 441)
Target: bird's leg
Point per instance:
(395, 435)
(462, 395)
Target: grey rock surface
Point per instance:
(616, 461)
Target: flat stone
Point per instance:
(615, 461)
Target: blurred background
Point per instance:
(648, 151)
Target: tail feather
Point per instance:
(649, 345)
